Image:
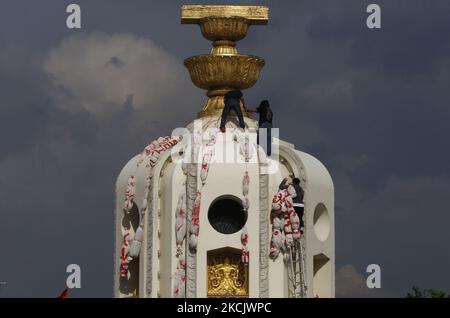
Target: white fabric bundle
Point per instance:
(245, 203)
(289, 202)
(124, 257)
(154, 153)
(296, 234)
(283, 243)
(291, 191)
(205, 166)
(276, 243)
(278, 223)
(245, 183)
(148, 149)
(289, 239)
(278, 239)
(154, 144)
(130, 186)
(213, 137)
(245, 148)
(287, 224)
(277, 201)
(276, 206)
(145, 153)
(244, 241)
(172, 141)
(136, 243)
(144, 203)
(195, 222)
(180, 218)
(196, 214)
(211, 150)
(245, 258)
(129, 194)
(274, 252)
(130, 191)
(248, 151)
(295, 224)
(193, 241)
(180, 280)
(153, 158)
(288, 230)
(246, 206)
(167, 143)
(295, 221)
(281, 194)
(157, 147)
(139, 235)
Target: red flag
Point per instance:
(64, 294)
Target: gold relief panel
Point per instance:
(227, 275)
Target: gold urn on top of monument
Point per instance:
(224, 69)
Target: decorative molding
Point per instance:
(191, 256)
(263, 227)
(116, 252)
(149, 275)
(191, 194)
(194, 14)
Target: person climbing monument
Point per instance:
(265, 121)
(299, 207)
(232, 100)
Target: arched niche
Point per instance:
(227, 276)
(322, 276)
(129, 285)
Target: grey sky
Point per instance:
(371, 105)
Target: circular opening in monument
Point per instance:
(321, 222)
(226, 215)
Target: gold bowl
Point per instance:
(224, 71)
(224, 28)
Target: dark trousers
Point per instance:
(229, 105)
(300, 210)
(268, 128)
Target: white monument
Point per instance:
(193, 211)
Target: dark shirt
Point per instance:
(298, 190)
(265, 114)
(236, 95)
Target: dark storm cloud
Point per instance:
(370, 104)
(115, 61)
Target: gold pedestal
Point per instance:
(223, 69)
